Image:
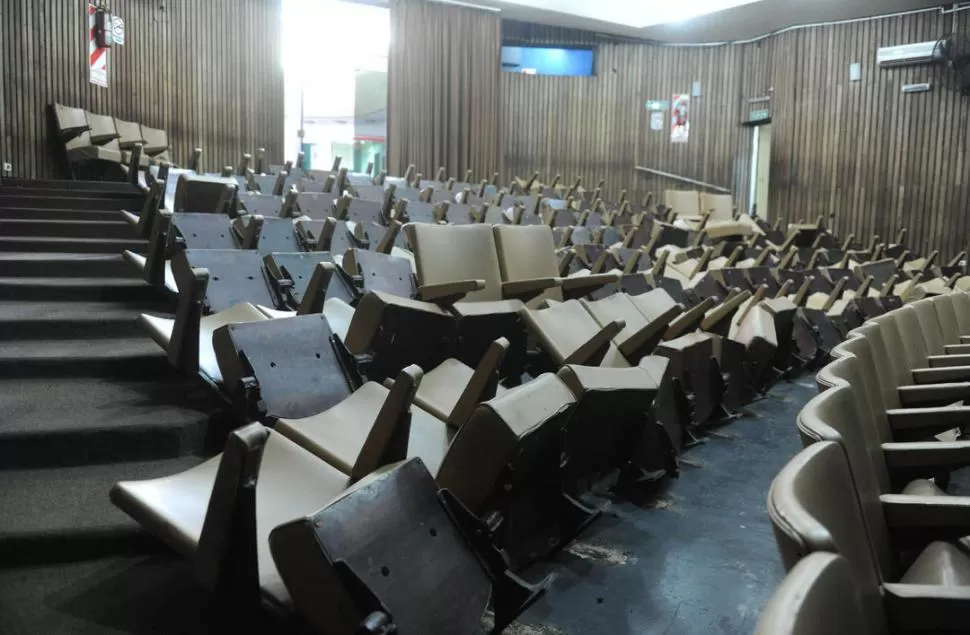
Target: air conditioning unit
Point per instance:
(909, 54)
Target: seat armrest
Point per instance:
(926, 608)
(946, 361)
(449, 292)
(941, 375)
(933, 393)
(957, 349)
(644, 341)
(689, 321)
(579, 286)
(927, 454)
(927, 421)
(926, 518)
(592, 352)
(529, 288)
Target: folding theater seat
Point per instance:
(569, 334)
(129, 135)
(331, 234)
(820, 595)
(94, 141)
(266, 205)
(440, 410)
(502, 463)
(458, 267)
(897, 454)
(815, 507)
(156, 144)
(263, 521)
(187, 339)
(910, 399)
(528, 253)
(70, 123)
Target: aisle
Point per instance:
(696, 558)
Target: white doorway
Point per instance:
(760, 171)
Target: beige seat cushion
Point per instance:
(528, 251)
(940, 563)
(450, 253)
(562, 328)
(683, 202)
(721, 206)
(338, 435)
(339, 315)
(497, 307)
(292, 483)
(161, 329)
(442, 387)
(94, 153)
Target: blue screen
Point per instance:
(548, 61)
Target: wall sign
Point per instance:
(655, 106)
(656, 120)
(97, 56)
(680, 119)
(118, 28)
(759, 115)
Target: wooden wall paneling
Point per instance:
(208, 73)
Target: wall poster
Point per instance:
(97, 56)
(680, 119)
(656, 120)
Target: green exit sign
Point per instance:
(759, 115)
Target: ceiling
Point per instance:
(649, 19)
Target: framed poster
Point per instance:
(680, 119)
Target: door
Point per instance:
(760, 170)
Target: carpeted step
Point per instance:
(122, 358)
(57, 514)
(43, 200)
(87, 420)
(80, 320)
(26, 213)
(68, 228)
(137, 593)
(72, 188)
(73, 245)
(64, 265)
(43, 289)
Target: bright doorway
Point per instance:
(760, 171)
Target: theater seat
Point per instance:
(820, 596)
(180, 509)
(815, 507)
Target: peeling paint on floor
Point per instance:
(661, 503)
(517, 628)
(601, 553)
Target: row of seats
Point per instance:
(89, 137)
(872, 541)
(506, 382)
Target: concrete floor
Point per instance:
(696, 557)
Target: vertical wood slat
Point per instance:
(877, 159)
(209, 73)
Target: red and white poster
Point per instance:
(680, 119)
(97, 57)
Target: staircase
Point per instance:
(86, 400)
